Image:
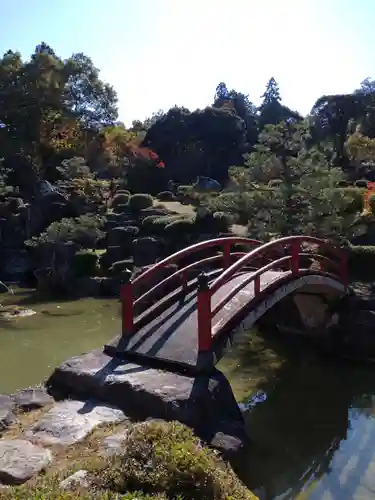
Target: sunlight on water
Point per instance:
(311, 421)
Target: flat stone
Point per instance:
(114, 444)
(78, 479)
(71, 421)
(20, 460)
(6, 412)
(31, 399)
(204, 402)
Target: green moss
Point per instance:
(167, 458)
(159, 461)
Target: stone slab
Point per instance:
(20, 460)
(31, 399)
(6, 411)
(204, 402)
(70, 421)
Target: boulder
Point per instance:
(204, 402)
(20, 460)
(145, 250)
(31, 399)
(6, 412)
(70, 421)
(77, 480)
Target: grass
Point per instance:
(159, 460)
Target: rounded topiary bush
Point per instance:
(181, 466)
(221, 222)
(166, 196)
(121, 265)
(275, 183)
(121, 209)
(343, 184)
(155, 225)
(120, 199)
(85, 263)
(180, 228)
(123, 191)
(139, 202)
(361, 183)
(132, 230)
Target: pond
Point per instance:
(31, 347)
(310, 420)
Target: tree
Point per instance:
(271, 111)
(241, 105)
(331, 115)
(295, 190)
(90, 99)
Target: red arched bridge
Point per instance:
(182, 310)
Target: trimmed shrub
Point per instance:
(133, 230)
(121, 209)
(120, 199)
(179, 229)
(121, 265)
(361, 261)
(138, 202)
(123, 191)
(275, 183)
(166, 196)
(85, 263)
(156, 225)
(343, 184)
(361, 183)
(221, 222)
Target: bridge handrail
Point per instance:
(295, 241)
(255, 276)
(183, 272)
(127, 289)
(203, 245)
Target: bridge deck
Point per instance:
(173, 336)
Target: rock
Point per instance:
(6, 412)
(145, 250)
(78, 479)
(71, 421)
(113, 444)
(20, 460)
(31, 399)
(204, 402)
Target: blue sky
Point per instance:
(158, 53)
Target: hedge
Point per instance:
(138, 202)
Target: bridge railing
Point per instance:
(335, 266)
(128, 292)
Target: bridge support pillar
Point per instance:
(204, 314)
(126, 293)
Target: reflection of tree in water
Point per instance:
(297, 429)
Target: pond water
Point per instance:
(311, 421)
(31, 347)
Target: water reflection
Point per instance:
(312, 430)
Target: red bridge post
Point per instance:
(204, 313)
(126, 294)
(296, 247)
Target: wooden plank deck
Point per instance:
(173, 336)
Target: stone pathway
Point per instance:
(66, 423)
